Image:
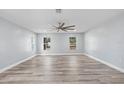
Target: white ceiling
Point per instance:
(41, 20)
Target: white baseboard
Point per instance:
(106, 63)
(62, 54)
(15, 64)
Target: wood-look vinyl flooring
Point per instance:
(78, 69)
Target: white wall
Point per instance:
(107, 42)
(15, 43)
(60, 43)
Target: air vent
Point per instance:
(58, 11)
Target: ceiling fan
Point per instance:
(61, 27)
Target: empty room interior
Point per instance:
(61, 46)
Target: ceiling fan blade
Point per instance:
(62, 24)
(70, 29)
(70, 26)
(65, 30)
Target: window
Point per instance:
(72, 41)
(46, 41)
(33, 42)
